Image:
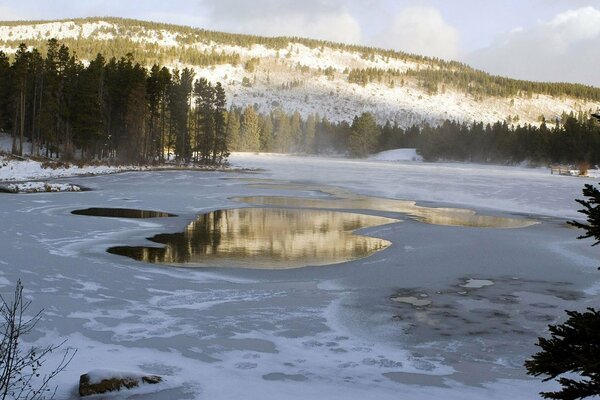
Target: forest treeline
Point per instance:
(119, 110)
(471, 81)
(110, 109)
(433, 74)
(572, 140)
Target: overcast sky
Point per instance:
(556, 40)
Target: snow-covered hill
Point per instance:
(306, 79)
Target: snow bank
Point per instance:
(593, 173)
(16, 170)
(98, 375)
(397, 155)
(37, 187)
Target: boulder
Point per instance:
(103, 381)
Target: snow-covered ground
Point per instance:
(12, 169)
(333, 332)
(21, 170)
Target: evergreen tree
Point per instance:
(233, 130)
(250, 130)
(592, 212)
(220, 151)
(296, 139)
(205, 116)
(20, 74)
(114, 109)
(283, 132)
(572, 354)
(88, 122)
(364, 137)
(309, 134)
(266, 134)
(6, 83)
(153, 98)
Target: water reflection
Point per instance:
(429, 215)
(264, 238)
(121, 213)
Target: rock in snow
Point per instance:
(103, 380)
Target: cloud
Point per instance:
(320, 19)
(565, 48)
(420, 30)
(7, 14)
(335, 27)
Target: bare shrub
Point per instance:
(21, 370)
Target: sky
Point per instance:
(549, 40)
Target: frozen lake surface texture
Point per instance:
(461, 267)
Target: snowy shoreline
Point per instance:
(26, 171)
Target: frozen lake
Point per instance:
(446, 311)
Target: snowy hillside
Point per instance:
(301, 78)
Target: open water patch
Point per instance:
(263, 238)
(121, 213)
(429, 215)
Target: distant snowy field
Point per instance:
(348, 331)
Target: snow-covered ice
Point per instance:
(329, 332)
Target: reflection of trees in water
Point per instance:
(201, 236)
(121, 213)
(429, 215)
(269, 236)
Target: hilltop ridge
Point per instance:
(312, 76)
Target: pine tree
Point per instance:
(592, 211)
(296, 139)
(283, 132)
(250, 130)
(220, 150)
(6, 83)
(266, 134)
(153, 98)
(572, 354)
(233, 130)
(364, 137)
(20, 74)
(87, 121)
(309, 135)
(204, 95)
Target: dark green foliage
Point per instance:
(113, 109)
(592, 211)
(576, 140)
(472, 81)
(477, 82)
(573, 347)
(6, 91)
(364, 137)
